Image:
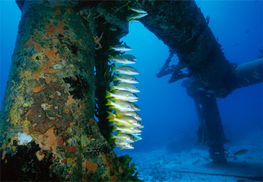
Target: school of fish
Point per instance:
(121, 96)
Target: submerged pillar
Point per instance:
(47, 128)
(183, 28)
(210, 127)
(210, 131)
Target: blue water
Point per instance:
(9, 19)
(168, 112)
(166, 109)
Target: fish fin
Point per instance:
(111, 116)
(131, 19)
(112, 89)
(109, 103)
(108, 94)
(115, 129)
(115, 79)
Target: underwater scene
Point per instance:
(131, 90)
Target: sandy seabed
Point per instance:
(195, 165)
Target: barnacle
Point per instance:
(38, 56)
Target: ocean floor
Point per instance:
(195, 165)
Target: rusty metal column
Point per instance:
(210, 130)
(47, 127)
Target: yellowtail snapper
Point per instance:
(120, 121)
(123, 106)
(133, 114)
(125, 79)
(121, 138)
(122, 95)
(123, 59)
(121, 48)
(127, 70)
(136, 17)
(133, 137)
(241, 152)
(127, 137)
(124, 145)
(128, 121)
(139, 11)
(126, 87)
(127, 130)
(139, 14)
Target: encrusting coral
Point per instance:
(50, 105)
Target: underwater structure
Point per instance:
(68, 103)
(209, 74)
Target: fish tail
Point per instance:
(131, 19)
(111, 116)
(115, 78)
(109, 103)
(112, 88)
(108, 94)
(121, 147)
(115, 129)
(113, 68)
